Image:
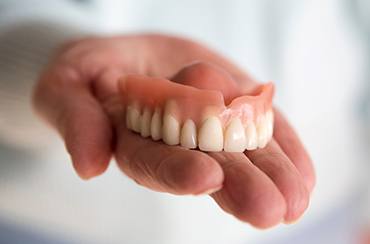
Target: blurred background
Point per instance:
(317, 52)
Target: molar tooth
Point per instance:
(156, 125)
(211, 135)
(262, 131)
(251, 136)
(189, 134)
(170, 130)
(145, 123)
(235, 140)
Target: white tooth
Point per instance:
(145, 123)
(211, 135)
(234, 140)
(251, 136)
(128, 111)
(270, 123)
(156, 125)
(189, 134)
(133, 118)
(171, 127)
(262, 131)
(170, 130)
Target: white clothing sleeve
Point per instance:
(28, 36)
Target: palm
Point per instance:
(262, 187)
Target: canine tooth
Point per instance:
(234, 140)
(251, 136)
(145, 123)
(270, 123)
(188, 137)
(156, 125)
(136, 127)
(211, 135)
(262, 131)
(171, 127)
(134, 118)
(170, 130)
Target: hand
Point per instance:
(77, 94)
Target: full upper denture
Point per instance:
(185, 115)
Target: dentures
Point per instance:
(191, 117)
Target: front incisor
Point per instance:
(188, 137)
(235, 140)
(210, 135)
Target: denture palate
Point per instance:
(183, 115)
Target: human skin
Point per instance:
(77, 94)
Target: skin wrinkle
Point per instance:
(133, 165)
(227, 167)
(298, 201)
(241, 207)
(153, 172)
(160, 170)
(142, 167)
(233, 163)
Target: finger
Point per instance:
(276, 165)
(207, 76)
(166, 168)
(247, 192)
(294, 149)
(66, 102)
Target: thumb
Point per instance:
(64, 99)
(208, 76)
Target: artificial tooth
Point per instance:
(171, 127)
(188, 137)
(234, 140)
(270, 123)
(133, 118)
(262, 131)
(128, 122)
(251, 136)
(156, 125)
(145, 122)
(170, 130)
(211, 135)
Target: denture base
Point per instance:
(194, 118)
